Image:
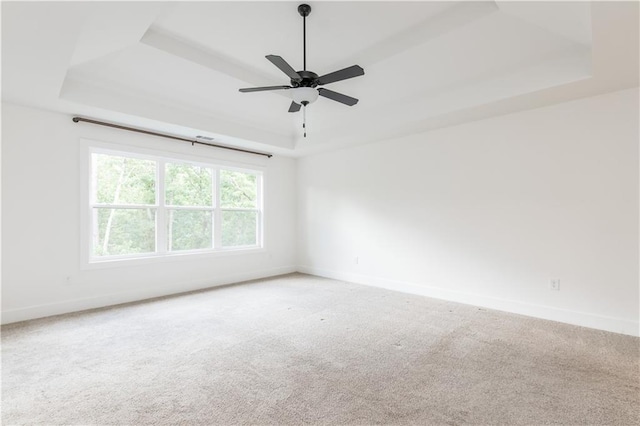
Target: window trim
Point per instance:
(88, 261)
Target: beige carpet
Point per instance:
(299, 349)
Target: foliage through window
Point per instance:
(142, 205)
(238, 201)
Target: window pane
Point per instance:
(239, 228)
(238, 190)
(188, 185)
(123, 231)
(123, 180)
(189, 230)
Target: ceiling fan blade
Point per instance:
(262, 89)
(294, 107)
(284, 67)
(338, 97)
(343, 74)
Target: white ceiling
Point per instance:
(177, 67)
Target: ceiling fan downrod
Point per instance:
(304, 10)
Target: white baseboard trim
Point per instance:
(616, 325)
(75, 305)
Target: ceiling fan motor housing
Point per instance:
(309, 79)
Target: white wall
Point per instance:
(483, 213)
(41, 272)
(488, 212)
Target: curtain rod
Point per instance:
(162, 135)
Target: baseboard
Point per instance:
(616, 325)
(46, 310)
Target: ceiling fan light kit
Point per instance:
(304, 95)
(304, 84)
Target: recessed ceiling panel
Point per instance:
(336, 31)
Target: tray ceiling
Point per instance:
(177, 67)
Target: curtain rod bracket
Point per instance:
(162, 135)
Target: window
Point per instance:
(239, 206)
(189, 198)
(145, 205)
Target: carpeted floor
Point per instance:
(299, 349)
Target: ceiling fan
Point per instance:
(304, 84)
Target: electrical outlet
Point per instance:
(356, 260)
(554, 284)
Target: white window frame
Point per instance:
(89, 261)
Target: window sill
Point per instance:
(164, 258)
